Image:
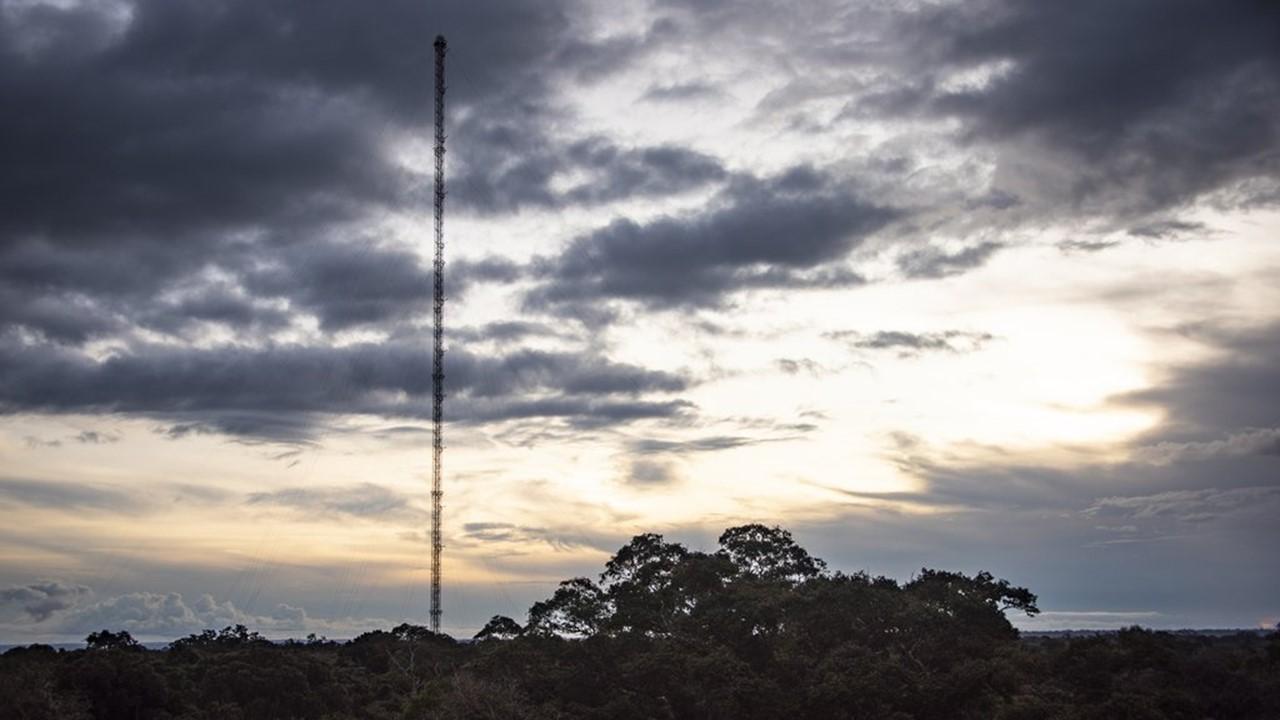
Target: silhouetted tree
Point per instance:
(107, 640)
(499, 627)
(577, 609)
(769, 553)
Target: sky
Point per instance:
(987, 285)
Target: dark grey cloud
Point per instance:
(100, 143)
(1233, 391)
(509, 151)
(569, 373)
(491, 268)
(249, 426)
(1194, 506)
(168, 615)
(143, 147)
(1135, 106)
(66, 496)
(910, 344)
(791, 230)
(651, 446)
(580, 413)
(345, 284)
(40, 600)
(487, 533)
(795, 366)
(967, 477)
(221, 304)
(516, 169)
(1086, 246)
(1176, 576)
(679, 92)
(353, 283)
(188, 168)
(934, 262)
(286, 391)
(647, 171)
(1166, 229)
(1254, 441)
(650, 473)
(342, 282)
(989, 486)
(79, 498)
(504, 331)
(170, 165)
(94, 437)
(362, 500)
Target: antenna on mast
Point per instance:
(437, 364)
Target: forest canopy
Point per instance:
(758, 628)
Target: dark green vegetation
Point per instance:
(758, 629)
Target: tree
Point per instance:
(408, 632)
(577, 609)
(951, 589)
(499, 627)
(646, 562)
(638, 584)
(769, 553)
(231, 636)
(107, 640)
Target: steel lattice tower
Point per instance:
(437, 363)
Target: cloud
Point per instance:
(79, 499)
(184, 164)
(38, 601)
(682, 92)
(1109, 115)
(933, 262)
(67, 496)
(363, 500)
(279, 131)
(287, 392)
(523, 171)
(572, 373)
(1088, 620)
(285, 112)
(650, 473)
(1086, 246)
(1248, 442)
(578, 412)
(504, 331)
(169, 615)
(354, 283)
(1230, 392)
(60, 611)
(795, 366)
(790, 230)
(1165, 229)
(94, 437)
(713, 443)
(909, 344)
(500, 533)
(1185, 505)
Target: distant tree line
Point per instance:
(757, 629)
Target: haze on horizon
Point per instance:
(983, 285)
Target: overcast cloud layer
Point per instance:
(920, 280)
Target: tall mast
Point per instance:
(437, 363)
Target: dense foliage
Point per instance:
(758, 629)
